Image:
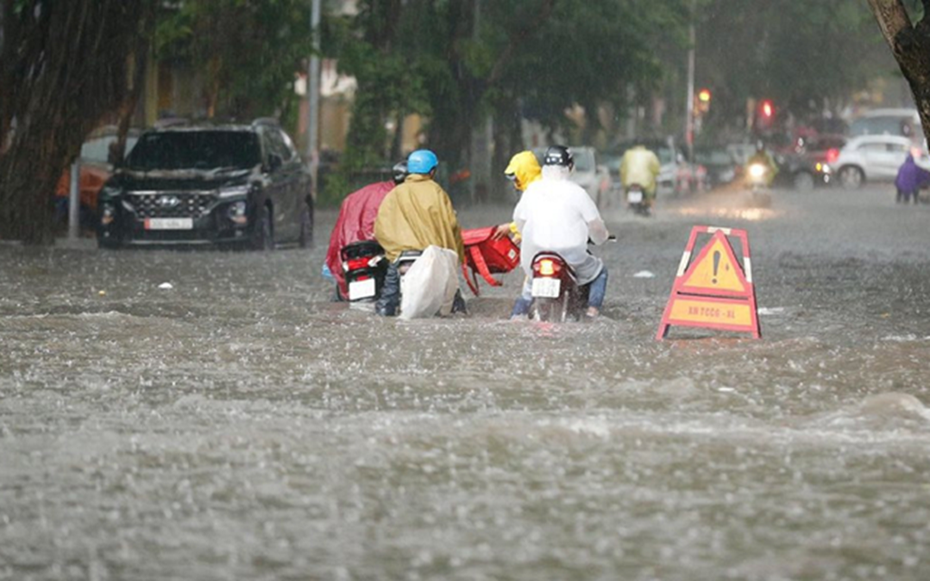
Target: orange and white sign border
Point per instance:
(713, 308)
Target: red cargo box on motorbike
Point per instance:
(486, 255)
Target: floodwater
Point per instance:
(238, 425)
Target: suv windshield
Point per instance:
(210, 149)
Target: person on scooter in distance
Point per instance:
(765, 159)
(558, 215)
(356, 222)
(416, 214)
(522, 171)
(640, 166)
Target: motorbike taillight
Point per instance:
(547, 267)
(357, 263)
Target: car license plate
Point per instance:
(361, 289)
(634, 196)
(546, 287)
(169, 223)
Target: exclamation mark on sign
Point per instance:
(716, 265)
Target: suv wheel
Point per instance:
(306, 226)
(263, 235)
(851, 177)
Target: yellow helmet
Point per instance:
(523, 170)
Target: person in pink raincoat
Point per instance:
(356, 222)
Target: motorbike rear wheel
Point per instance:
(551, 310)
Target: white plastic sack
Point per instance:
(430, 285)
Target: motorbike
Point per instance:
(636, 200)
(557, 296)
(365, 266)
(758, 179)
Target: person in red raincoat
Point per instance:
(356, 222)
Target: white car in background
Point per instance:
(871, 158)
(902, 122)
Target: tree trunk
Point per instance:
(67, 63)
(911, 48)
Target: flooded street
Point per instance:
(238, 425)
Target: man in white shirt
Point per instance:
(558, 215)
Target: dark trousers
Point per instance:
(389, 301)
(906, 196)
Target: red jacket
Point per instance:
(356, 222)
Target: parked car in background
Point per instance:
(95, 168)
(590, 175)
(812, 162)
(871, 158)
(901, 122)
(741, 152)
(242, 185)
(720, 164)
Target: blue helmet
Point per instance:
(421, 161)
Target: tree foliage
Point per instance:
(459, 61)
(247, 50)
(799, 54)
(64, 66)
(908, 36)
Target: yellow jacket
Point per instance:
(417, 214)
(639, 166)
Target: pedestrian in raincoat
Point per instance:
(416, 214)
(522, 171)
(911, 177)
(640, 166)
(356, 221)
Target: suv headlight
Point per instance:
(107, 213)
(237, 212)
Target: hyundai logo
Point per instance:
(167, 202)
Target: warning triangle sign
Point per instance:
(715, 269)
(715, 291)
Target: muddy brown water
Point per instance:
(238, 425)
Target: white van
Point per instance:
(903, 122)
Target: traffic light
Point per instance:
(768, 110)
(703, 98)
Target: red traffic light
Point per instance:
(704, 95)
(767, 109)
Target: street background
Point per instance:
(239, 425)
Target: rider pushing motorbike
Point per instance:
(414, 215)
(356, 222)
(555, 214)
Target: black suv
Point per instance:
(242, 185)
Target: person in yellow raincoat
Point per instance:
(416, 214)
(640, 166)
(522, 170)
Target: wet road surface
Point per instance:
(238, 425)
